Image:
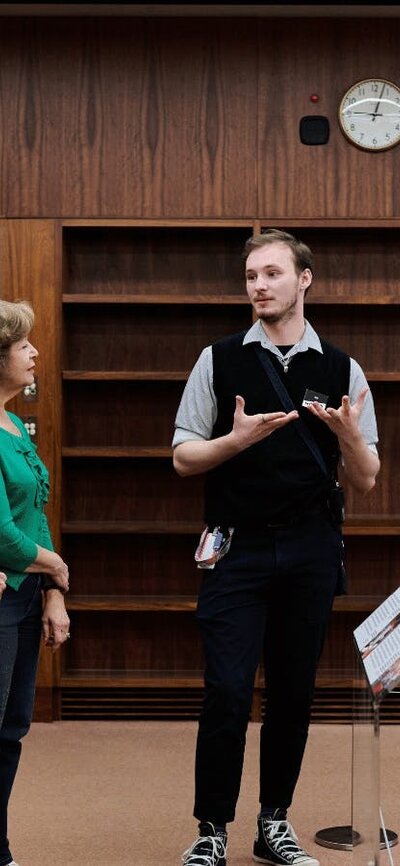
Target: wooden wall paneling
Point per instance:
(102, 566)
(185, 120)
(383, 502)
(300, 57)
(183, 259)
(152, 118)
(124, 319)
(159, 644)
(338, 659)
(372, 566)
(140, 302)
(132, 338)
(121, 491)
(143, 413)
(28, 271)
(353, 263)
(128, 117)
(368, 333)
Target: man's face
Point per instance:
(273, 285)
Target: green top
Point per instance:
(24, 490)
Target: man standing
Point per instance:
(271, 478)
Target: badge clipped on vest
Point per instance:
(311, 396)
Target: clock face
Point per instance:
(369, 114)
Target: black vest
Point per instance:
(277, 479)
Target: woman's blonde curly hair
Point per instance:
(16, 322)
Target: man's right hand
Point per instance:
(249, 429)
(3, 582)
(196, 456)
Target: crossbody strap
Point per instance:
(288, 405)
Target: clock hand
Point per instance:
(379, 100)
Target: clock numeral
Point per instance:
(374, 88)
(375, 141)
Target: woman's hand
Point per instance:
(60, 574)
(3, 582)
(49, 562)
(55, 620)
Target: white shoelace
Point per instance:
(284, 839)
(218, 849)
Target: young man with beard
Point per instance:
(271, 592)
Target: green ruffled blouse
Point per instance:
(24, 491)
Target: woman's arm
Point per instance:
(49, 562)
(20, 553)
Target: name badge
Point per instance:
(311, 396)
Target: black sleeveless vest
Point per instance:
(277, 479)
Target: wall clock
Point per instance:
(369, 114)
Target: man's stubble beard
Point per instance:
(282, 316)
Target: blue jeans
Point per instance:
(270, 596)
(20, 630)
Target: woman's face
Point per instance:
(18, 370)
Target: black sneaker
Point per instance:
(276, 845)
(208, 850)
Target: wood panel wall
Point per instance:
(188, 118)
(174, 118)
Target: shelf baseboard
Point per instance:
(354, 526)
(187, 603)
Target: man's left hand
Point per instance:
(344, 422)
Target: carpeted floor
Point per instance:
(120, 794)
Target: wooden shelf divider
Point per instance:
(131, 335)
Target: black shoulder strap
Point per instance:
(288, 405)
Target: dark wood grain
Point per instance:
(151, 260)
(132, 565)
(143, 413)
(159, 642)
(184, 120)
(119, 338)
(135, 117)
(123, 490)
(323, 56)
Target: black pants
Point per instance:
(272, 594)
(20, 629)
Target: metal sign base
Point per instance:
(345, 838)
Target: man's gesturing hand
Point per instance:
(249, 429)
(344, 422)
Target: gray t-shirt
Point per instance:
(197, 411)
